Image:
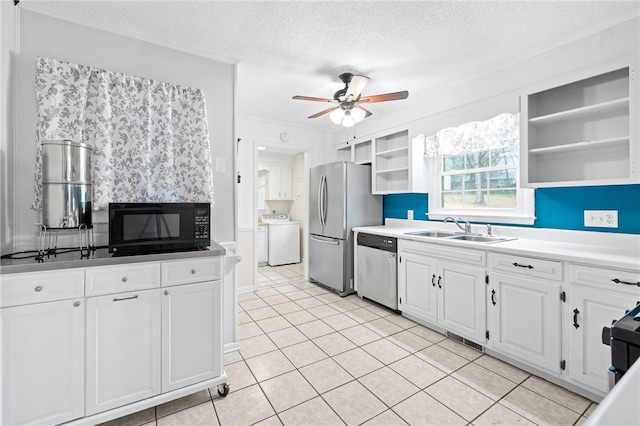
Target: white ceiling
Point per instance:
(300, 47)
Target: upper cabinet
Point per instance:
(582, 128)
(360, 152)
(397, 162)
(279, 182)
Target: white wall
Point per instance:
(484, 96)
(41, 35)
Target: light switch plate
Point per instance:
(601, 218)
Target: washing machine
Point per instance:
(284, 239)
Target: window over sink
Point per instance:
(476, 172)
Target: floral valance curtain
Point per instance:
(499, 132)
(150, 139)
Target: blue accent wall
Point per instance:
(395, 206)
(559, 208)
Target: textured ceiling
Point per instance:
(299, 47)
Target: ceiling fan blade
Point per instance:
(367, 112)
(356, 85)
(326, 111)
(386, 97)
(309, 98)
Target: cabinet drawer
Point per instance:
(601, 278)
(191, 271)
(456, 254)
(122, 278)
(37, 287)
(526, 266)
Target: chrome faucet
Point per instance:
(467, 225)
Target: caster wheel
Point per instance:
(223, 390)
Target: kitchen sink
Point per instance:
(479, 238)
(431, 233)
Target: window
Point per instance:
(477, 172)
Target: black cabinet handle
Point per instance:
(433, 280)
(575, 318)
(439, 281)
(618, 281)
(522, 266)
(493, 297)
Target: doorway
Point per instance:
(281, 187)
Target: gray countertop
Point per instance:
(99, 257)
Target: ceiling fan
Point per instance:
(349, 110)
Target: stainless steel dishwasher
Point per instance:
(377, 270)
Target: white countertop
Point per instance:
(609, 250)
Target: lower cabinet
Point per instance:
(596, 300)
(461, 300)
(43, 362)
(123, 349)
(450, 294)
(524, 319)
(417, 291)
(191, 342)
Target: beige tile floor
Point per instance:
(308, 357)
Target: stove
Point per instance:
(624, 338)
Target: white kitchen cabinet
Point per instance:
(417, 290)
(449, 293)
(461, 299)
(583, 128)
(398, 163)
(262, 244)
(191, 334)
(42, 362)
(596, 300)
(123, 349)
(280, 182)
(524, 309)
(524, 319)
(358, 151)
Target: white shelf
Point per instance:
(585, 111)
(393, 152)
(582, 129)
(388, 171)
(581, 145)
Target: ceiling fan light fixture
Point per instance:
(358, 114)
(348, 120)
(337, 115)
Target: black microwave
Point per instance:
(137, 228)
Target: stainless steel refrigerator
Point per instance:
(339, 199)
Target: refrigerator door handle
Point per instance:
(334, 242)
(320, 199)
(325, 200)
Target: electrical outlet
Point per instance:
(410, 214)
(601, 218)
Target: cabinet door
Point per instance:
(591, 310)
(417, 290)
(461, 300)
(524, 319)
(43, 363)
(123, 349)
(191, 334)
(286, 185)
(274, 183)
